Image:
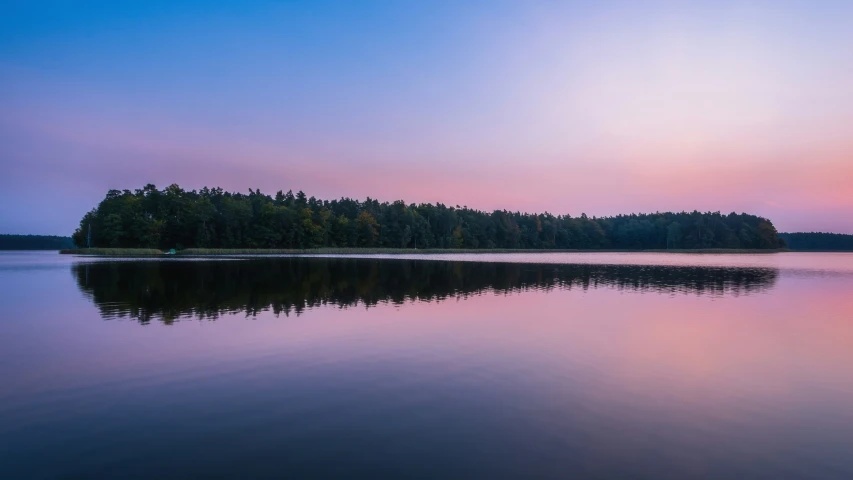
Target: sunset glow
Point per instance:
(595, 107)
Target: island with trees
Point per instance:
(210, 218)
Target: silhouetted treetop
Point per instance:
(34, 242)
(818, 241)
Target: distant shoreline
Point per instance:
(204, 252)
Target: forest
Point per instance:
(34, 242)
(213, 218)
(818, 241)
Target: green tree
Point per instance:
(211, 217)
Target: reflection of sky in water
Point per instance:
(542, 382)
(840, 262)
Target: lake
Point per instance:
(553, 365)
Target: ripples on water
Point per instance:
(478, 366)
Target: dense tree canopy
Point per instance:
(817, 241)
(213, 218)
(34, 242)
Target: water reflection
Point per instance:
(170, 290)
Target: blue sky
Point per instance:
(570, 107)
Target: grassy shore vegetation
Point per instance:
(344, 251)
(215, 219)
(374, 251)
(112, 251)
(432, 251)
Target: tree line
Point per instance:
(818, 241)
(213, 218)
(34, 242)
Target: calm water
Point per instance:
(485, 366)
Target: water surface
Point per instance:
(451, 366)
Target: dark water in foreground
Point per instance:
(501, 366)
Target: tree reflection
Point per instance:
(170, 290)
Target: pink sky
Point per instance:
(737, 106)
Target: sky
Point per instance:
(599, 107)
